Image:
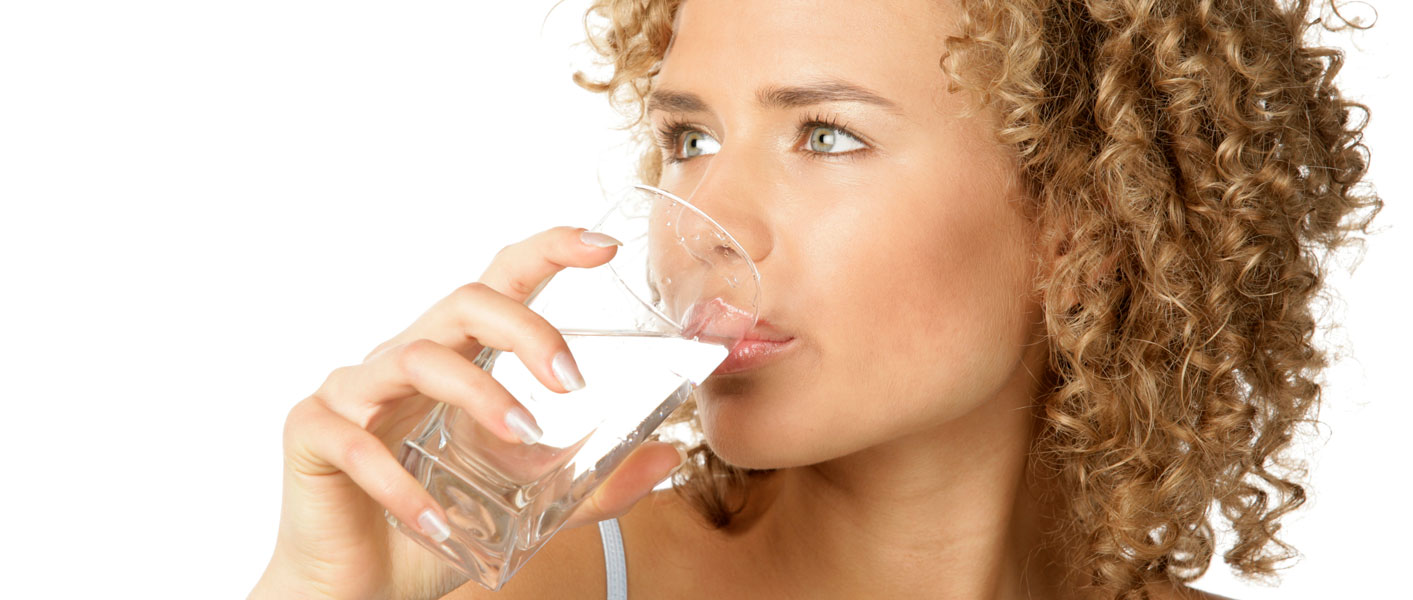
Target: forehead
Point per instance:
(892, 46)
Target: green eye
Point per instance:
(823, 139)
(696, 143)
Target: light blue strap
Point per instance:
(613, 559)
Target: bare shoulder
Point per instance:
(569, 565)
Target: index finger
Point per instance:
(521, 267)
(515, 272)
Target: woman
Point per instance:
(1044, 268)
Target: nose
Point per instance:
(731, 192)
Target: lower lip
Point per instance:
(750, 354)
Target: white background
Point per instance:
(205, 207)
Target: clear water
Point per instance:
(504, 501)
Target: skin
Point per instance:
(340, 472)
(898, 422)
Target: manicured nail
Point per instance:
(519, 423)
(432, 526)
(594, 238)
(567, 372)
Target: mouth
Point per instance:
(762, 345)
(717, 321)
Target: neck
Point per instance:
(949, 511)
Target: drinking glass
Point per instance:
(645, 329)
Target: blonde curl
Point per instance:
(1195, 165)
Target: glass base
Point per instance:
(505, 501)
(489, 541)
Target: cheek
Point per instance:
(930, 310)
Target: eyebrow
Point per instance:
(778, 97)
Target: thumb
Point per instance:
(634, 479)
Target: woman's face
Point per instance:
(885, 224)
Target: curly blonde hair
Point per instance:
(1195, 164)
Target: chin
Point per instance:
(752, 440)
(747, 456)
(742, 437)
(764, 419)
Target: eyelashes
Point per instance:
(669, 135)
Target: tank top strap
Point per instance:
(613, 558)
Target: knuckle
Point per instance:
(409, 355)
(358, 452)
(521, 287)
(302, 424)
(334, 382)
(469, 291)
(504, 252)
(296, 420)
(469, 297)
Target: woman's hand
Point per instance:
(339, 468)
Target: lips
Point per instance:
(764, 331)
(717, 321)
(751, 354)
(762, 345)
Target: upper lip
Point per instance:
(764, 331)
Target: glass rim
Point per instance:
(750, 262)
(741, 250)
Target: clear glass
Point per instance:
(645, 328)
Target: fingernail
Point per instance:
(567, 372)
(433, 526)
(594, 238)
(519, 423)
